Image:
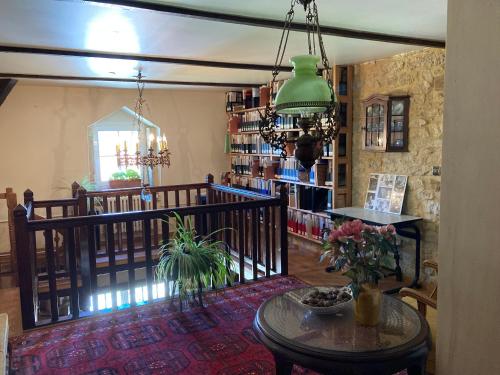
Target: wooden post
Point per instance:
(284, 229)
(28, 202)
(209, 179)
(11, 199)
(26, 265)
(82, 248)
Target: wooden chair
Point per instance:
(423, 299)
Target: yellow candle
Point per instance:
(151, 140)
(117, 149)
(125, 146)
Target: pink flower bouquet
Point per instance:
(360, 251)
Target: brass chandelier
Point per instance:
(307, 95)
(158, 153)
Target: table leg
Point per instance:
(283, 367)
(417, 369)
(397, 270)
(415, 235)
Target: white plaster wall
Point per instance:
(43, 136)
(469, 238)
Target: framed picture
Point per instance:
(386, 193)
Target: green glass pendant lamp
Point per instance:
(307, 95)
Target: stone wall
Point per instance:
(419, 74)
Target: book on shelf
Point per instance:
(307, 225)
(249, 144)
(257, 185)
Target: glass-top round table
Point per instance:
(336, 344)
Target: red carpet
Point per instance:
(157, 339)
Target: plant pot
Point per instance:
(123, 184)
(367, 305)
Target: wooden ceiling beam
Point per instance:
(124, 80)
(145, 58)
(270, 23)
(6, 86)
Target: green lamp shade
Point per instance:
(305, 93)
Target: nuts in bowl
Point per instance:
(321, 299)
(324, 298)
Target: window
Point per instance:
(107, 141)
(117, 128)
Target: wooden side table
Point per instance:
(336, 344)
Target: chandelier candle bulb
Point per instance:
(151, 141)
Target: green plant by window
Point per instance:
(129, 174)
(194, 262)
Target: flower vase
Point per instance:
(367, 305)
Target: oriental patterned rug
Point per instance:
(158, 339)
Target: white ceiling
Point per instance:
(73, 24)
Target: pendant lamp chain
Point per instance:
(268, 125)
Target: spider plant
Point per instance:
(194, 262)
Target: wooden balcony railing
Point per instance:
(116, 251)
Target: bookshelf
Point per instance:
(255, 166)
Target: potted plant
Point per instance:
(194, 262)
(360, 251)
(125, 179)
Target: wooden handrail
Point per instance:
(77, 221)
(137, 190)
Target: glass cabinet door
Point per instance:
(397, 136)
(375, 118)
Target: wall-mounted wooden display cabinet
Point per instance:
(386, 123)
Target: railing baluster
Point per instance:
(255, 224)
(110, 234)
(267, 240)
(149, 258)
(284, 230)
(131, 261)
(51, 273)
(273, 239)
(188, 197)
(198, 195)
(247, 237)
(48, 212)
(165, 199)
(176, 198)
(155, 222)
(241, 245)
(259, 238)
(119, 226)
(91, 230)
(75, 306)
(105, 206)
(92, 204)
